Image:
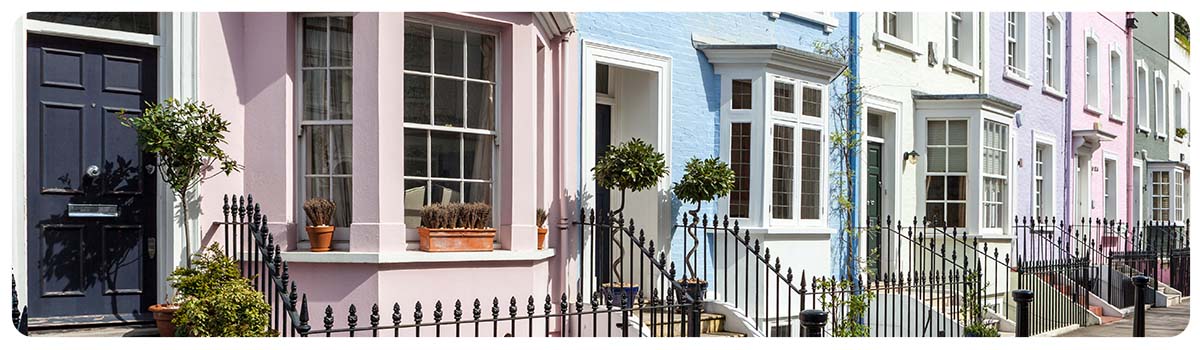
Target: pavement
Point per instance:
(1160, 322)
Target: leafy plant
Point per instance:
(456, 215)
(704, 180)
(844, 296)
(186, 138)
(632, 165)
(844, 142)
(216, 301)
(1181, 132)
(980, 330)
(541, 217)
(319, 211)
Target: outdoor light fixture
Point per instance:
(911, 157)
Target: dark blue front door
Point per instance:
(603, 195)
(91, 213)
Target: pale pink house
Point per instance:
(1099, 108)
(384, 112)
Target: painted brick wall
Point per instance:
(1108, 28)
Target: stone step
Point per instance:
(673, 323)
(723, 334)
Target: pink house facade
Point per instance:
(383, 113)
(1099, 110)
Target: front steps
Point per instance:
(665, 324)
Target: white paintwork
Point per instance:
(736, 320)
(336, 257)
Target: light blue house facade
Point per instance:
(745, 87)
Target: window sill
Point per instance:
(1092, 110)
(1052, 92)
(887, 40)
(336, 257)
(1179, 140)
(1161, 136)
(1015, 78)
(1143, 129)
(791, 230)
(956, 65)
(1116, 118)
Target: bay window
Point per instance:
(995, 173)
(1179, 191)
(946, 172)
(449, 116)
(325, 127)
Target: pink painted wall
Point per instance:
(1109, 30)
(246, 63)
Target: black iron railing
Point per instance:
(20, 314)
(249, 242)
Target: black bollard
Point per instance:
(1023, 297)
(1139, 311)
(813, 322)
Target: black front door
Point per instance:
(874, 205)
(91, 211)
(603, 254)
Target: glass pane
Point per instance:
(783, 98)
(810, 174)
(445, 150)
(937, 160)
(602, 79)
(475, 192)
(742, 94)
(315, 41)
(956, 188)
(343, 149)
(957, 132)
(416, 99)
(448, 102)
(416, 153)
(477, 156)
(416, 46)
(481, 110)
(935, 187)
(446, 192)
(340, 106)
(448, 51)
(341, 41)
(937, 133)
(935, 213)
(414, 199)
(481, 56)
(137, 22)
(956, 159)
(739, 160)
(812, 102)
(316, 187)
(314, 94)
(956, 215)
(342, 197)
(781, 197)
(316, 147)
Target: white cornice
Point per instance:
(809, 66)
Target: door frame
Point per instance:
(177, 72)
(893, 167)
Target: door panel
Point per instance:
(88, 269)
(603, 195)
(874, 206)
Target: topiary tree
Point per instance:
(703, 180)
(629, 166)
(216, 301)
(186, 139)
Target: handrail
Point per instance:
(249, 242)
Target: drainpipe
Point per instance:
(1130, 118)
(852, 84)
(1068, 141)
(579, 160)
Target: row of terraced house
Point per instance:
(990, 152)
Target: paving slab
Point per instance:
(1160, 322)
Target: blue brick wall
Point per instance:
(695, 89)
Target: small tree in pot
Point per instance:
(703, 180)
(630, 166)
(320, 215)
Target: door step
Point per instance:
(139, 330)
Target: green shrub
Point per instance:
(704, 180)
(633, 165)
(980, 330)
(216, 301)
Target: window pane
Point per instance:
(937, 160)
(316, 147)
(314, 94)
(784, 97)
(781, 199)
(414, 199)
(448, 51)
(340, 106)
(446, 149)
(956, 132)
(137, 22)
(602, 79)
(481, 111)
(956, 215)
(810, 174)
(446, 192)
(475, 192)
(342, 143)
(935, 213)
(742, 94)
(956, 188)
(739, 160)
(416, 46)
(937, 133)
(448, 102)
(812, 102)
(956, 159)
(416, 153)
(341, 41)
(481, 56)
(315, 40)
(342, 197)
(935, 187)
(416, 99)
(477, 156)
(316, 187)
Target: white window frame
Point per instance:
(1091, 71)
(1142, 96)
(798, 122)
(1006, 178)
(1178, 204)
(968, 42)
(967, 175)
(1016, 38)
(1155, 197)
(1048, 175)
(1160, 105)
(1054, 47)
(1117, 84)
(1111, 195)
(906, 22)
(1178, 109)
(340, 233)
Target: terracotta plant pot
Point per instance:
(541, 238)
(163, 314)
(319, 238)
(457, 239)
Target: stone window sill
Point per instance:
(342, 257)
(1016, 78)
(1053, 92)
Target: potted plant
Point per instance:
(703, 180)
(185, 139)
(216, 301)
(1181, 132)
(320, 217)
(630, 166)
(456, 227)
(164, 314)
(541, 228)
(980, 330)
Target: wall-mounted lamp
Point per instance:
(912, 157)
